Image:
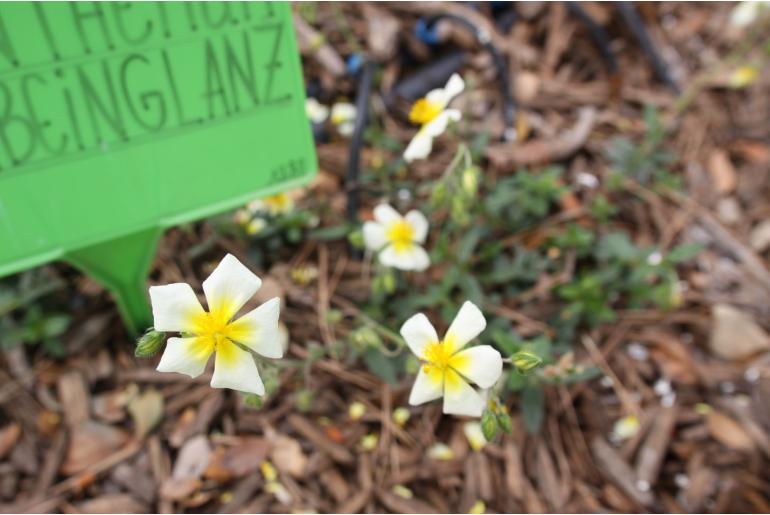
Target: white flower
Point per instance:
(175, 308)
(398, 238)
(745, 13)
(316, 111)
(344, 117)
(278, 204)
(432, 114)
(447, 367)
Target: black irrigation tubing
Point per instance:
(509, 108)
(598, 35)
(634, 22)
(363, 93)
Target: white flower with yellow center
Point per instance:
(175, 308)
(433, 116)
(398, 238)
(344, 117)
(316, 111)
(447, 367)
(278, 204)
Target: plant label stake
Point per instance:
(120, 120)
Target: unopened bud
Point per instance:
(525, 361)
(149, 344)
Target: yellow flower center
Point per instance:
(401, 235)
(438, 355)
(423, 111)
(214, 332)
(277, 204)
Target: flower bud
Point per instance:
(470, 181)
(149, 344)
(525, 361)
(488, 430)
(401, 416)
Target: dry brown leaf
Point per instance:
(722, 172)
(113, 503)
(146, 411)
(193, 458)
(287, 455)
(728, 432)
(9, 435)
(238, 460)
(177, 489)
(735, 335)
(89, 443)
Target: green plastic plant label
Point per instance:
(119, 120)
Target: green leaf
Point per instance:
(533, 408)
(684, 252)
(469, 242)
(380, 365)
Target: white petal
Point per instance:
(186, 356)
(438, 125)
(174, 307)
(419, 147)
(386, 214)
(454, 86)
(418, 333)
(346, 128)
(374, 236)
(258, 329)
(467, 325)
(428, 386)
(460, 398)
(481, 364)
(419, 223)
(413, 257)
(230, 286)
(234, 368)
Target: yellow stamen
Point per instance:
(401, 235)
(214, 332)
(423, 111)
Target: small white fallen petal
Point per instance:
(626, 427)
(441, 451)
(475, 435)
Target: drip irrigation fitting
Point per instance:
(484, 39)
